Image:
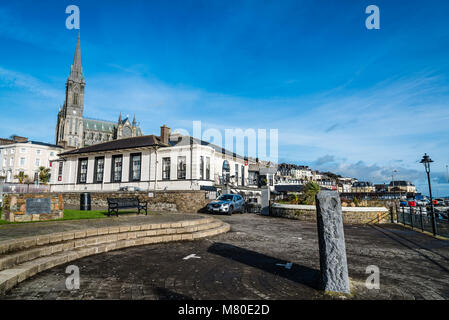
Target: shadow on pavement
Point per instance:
(297, 273)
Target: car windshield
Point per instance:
(225, 197)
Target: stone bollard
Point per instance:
(331, 239)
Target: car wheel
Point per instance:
(231, 209)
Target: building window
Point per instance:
(225, 172)
(38, 162)
(99, 170)
(135, 166)
(61, 166)
(243, 175)
(182, 168)
(117, 168)
(75, 98)
(82, 170)
(166, 168)
(201, 168)
(11, 162)
(23, 150)
(236, 174)
(22, 162)
(207, 168)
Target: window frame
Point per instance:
(80, 163)
(201, 167)
(60, 170)
(131, 167)
(113, 171)
(97, 159)
(207, 168)
(181, 173)
(166, 169)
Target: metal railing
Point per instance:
(420, 218)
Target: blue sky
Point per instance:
(358, 102)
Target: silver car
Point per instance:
(227, 203)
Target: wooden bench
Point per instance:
(114, 204)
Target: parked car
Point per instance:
(404, 204)
(227, 203)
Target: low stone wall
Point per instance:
(167, 201)
(15, 207)
(357, 215)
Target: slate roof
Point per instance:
(99, 125)
(128, 143)
(103, 125)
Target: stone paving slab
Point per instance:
(16, 231)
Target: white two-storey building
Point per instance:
(22, 155)
(165, 162)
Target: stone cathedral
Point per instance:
(75, 131)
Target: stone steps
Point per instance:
(17, 265)
(15, 245)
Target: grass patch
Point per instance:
(79, 215)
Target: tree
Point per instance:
(21, 177)
(44, 175)
(309, 193)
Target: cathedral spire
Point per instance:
(76, 71)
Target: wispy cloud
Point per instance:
(18, 80)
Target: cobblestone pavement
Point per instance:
(14, 231)
(242, 265)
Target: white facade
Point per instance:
(66, 171)
(25, 157)
(301, 174)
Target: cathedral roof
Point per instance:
(103, 126)
(99, 125)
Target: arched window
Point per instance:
(75, 98)
(226, 172)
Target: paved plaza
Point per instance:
(243, 264)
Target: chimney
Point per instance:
(165, 134)
(19, 139)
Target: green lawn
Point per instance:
(73, 215)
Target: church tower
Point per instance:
(69, 129)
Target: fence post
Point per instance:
(411, 217)
(403, 216)
(420, 215)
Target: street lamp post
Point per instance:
(426, 162)
(392, 182)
